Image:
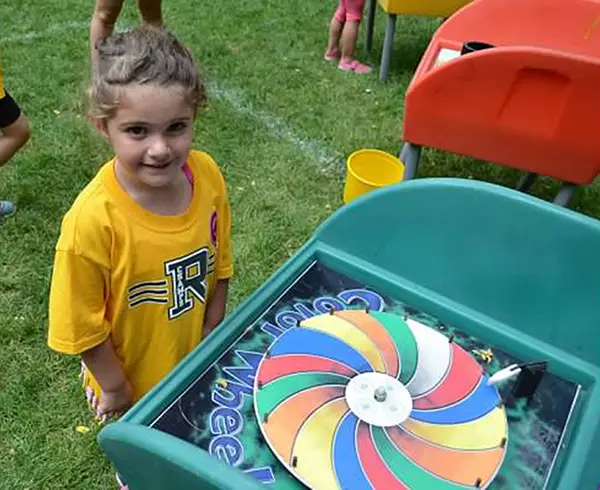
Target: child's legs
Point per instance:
(354, 10)
(14, 128)
(335, 29)
(104, 19)
(150, 12)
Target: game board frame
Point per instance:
(266, 313)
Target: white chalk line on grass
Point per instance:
(52, 30)
(55, 29)
(275, 127)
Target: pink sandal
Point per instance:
(331, 57)
(354, 66)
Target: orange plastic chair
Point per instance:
(431, 8)
(532, 102)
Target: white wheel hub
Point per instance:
(378, 399)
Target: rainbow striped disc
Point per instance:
(357, 400)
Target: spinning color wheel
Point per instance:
(357, 400)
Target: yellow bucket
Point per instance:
(368, 170)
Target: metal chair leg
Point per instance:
(565, 194)
(410, 156)
(526, 181)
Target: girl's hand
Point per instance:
(116, 393)
(115, 402)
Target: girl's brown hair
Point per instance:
(145, 55)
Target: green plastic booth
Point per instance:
(517, 273)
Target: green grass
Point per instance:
(263, 63)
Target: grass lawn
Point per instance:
(280, 123)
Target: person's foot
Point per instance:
(7, 208)
(355, 66)
(331, 55)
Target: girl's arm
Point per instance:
(116, 392)
(215, 310)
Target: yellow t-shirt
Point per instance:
(140, 278)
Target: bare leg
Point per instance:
(335, 31)
(349, 35)
(150, 12)
(13, 137)
(104, 19)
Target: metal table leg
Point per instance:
(390, 27)
(370, 25)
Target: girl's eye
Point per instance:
(136, 131)
(177, 127)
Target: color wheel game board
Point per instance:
(338, 386)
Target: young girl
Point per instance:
(344, 26)
(106, 13)
(14, 129)
(143, 259)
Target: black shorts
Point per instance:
(9, 110)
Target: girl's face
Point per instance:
(151, 134)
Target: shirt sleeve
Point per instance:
(77, 304)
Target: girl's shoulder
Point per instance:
(88, 219)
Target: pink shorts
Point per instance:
(349, 10)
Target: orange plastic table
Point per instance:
(531, 102)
